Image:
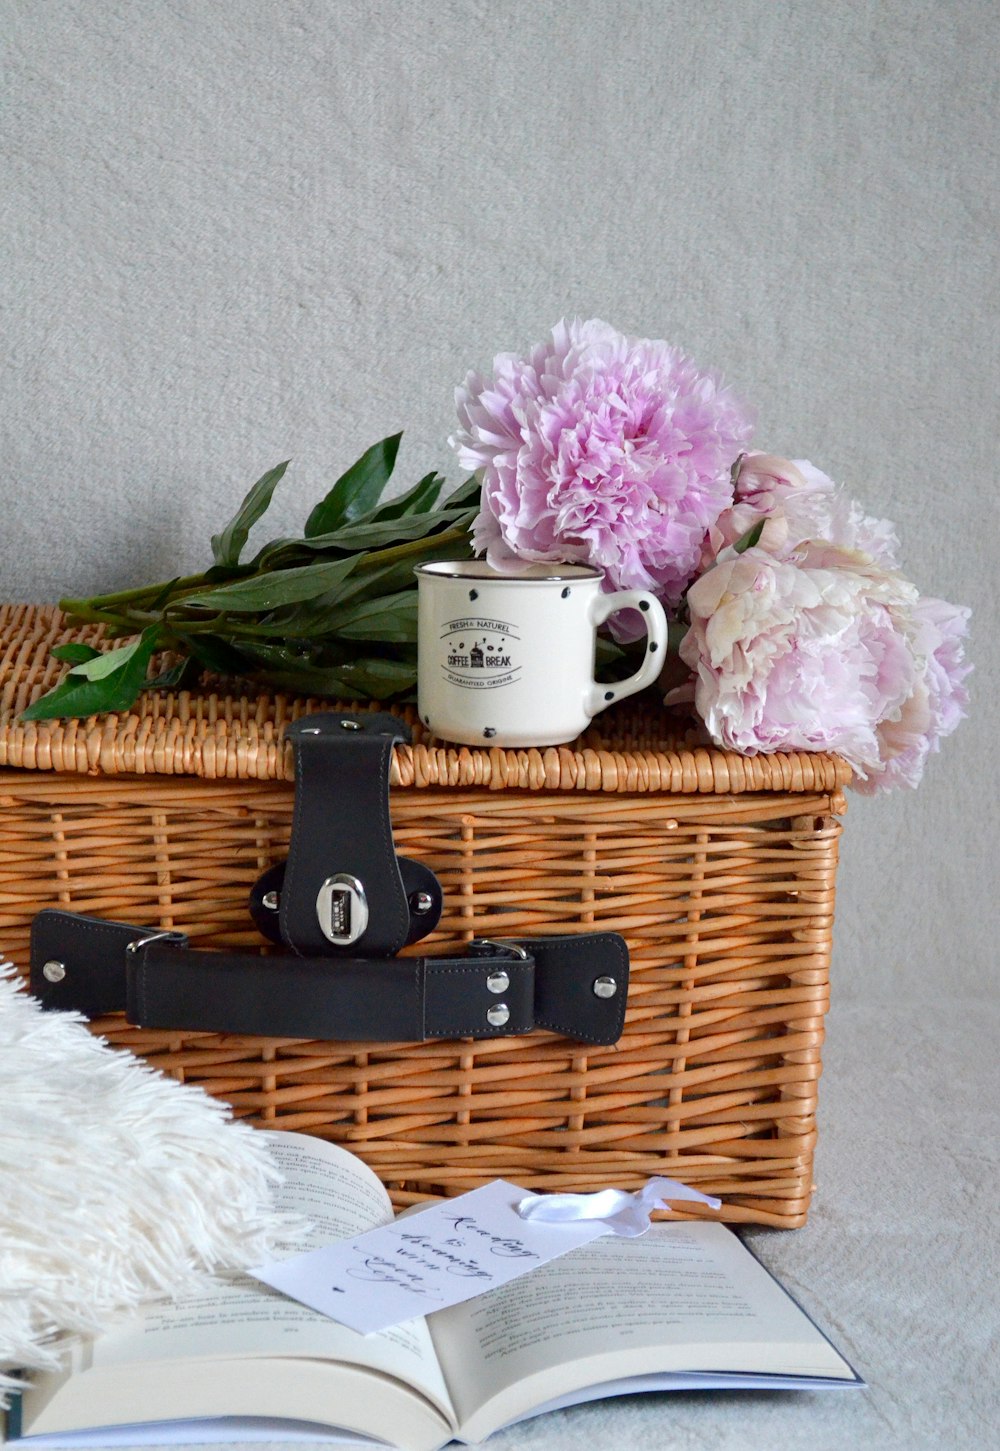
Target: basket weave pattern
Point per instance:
(724, 893)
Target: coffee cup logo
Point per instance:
(480, 654)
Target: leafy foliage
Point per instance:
(228, 546)
(330, 613)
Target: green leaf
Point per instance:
(71, 697)
(391, 578)
(392, 618)
(382, 534)
(228, 546)
(357, 490)
(216, 654)
(223, 574)
(74, 654)
(415, 501)
(116, 690)
(321, 616)
(286, 654)
(368, 678)
(676, 630)
(364, 535)
(163, 596)
(264, 592)
(180, 676)
(379, 677)
(607, 652)
(317, 616)
(99, 666)
(750, 538)
(466, 495)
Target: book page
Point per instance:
(681, 1298)
(338, 1398)
(333, 1189)
(238, 1316)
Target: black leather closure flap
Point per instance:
(342, 889)
(581, 985)
(576, 986)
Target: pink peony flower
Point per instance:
(828, 651)
(938, 701)
(600, 449)
(797, 502)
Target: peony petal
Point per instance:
(624, 457)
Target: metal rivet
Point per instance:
(271, 901)
(605, 987)
(498, 982)
(54, 971)
(421, 902)
(496, 1017)
(351, 725)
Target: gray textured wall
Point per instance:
(241, 231)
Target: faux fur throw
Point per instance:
(117, 1184)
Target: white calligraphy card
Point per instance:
(450, 1252)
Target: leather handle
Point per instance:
(574, 985)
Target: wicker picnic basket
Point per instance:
(717, 869)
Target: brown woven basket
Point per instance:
(717, 869)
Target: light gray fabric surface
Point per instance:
(235, 233)
(898, 1263)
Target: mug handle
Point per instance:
(601, 696)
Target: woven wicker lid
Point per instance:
(218, 735)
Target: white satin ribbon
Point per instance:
(625, 1215)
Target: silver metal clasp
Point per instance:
(153, 937)
(498, 946)
(342, 909)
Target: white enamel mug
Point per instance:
(508, 659)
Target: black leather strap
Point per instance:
(98, 967)
(342, 834)
(342, 907)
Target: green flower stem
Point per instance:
(87, 613)
(377, 558)
(107, 609)
(127, 596)
(100, 609)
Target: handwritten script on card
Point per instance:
(450, 1252)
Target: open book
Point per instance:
(684, 1306)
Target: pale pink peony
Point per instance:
(797, 502)
(825, 652)
(600, 449)
(938, 701)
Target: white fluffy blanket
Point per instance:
(117, 1184)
